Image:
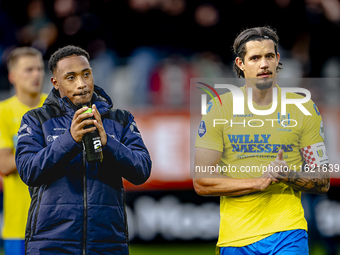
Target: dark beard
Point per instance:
(264, 84)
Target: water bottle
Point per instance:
(92, 144)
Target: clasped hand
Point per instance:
(79, 122)
(278, 169)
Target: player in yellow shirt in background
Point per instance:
(260, 207)
(26, 72)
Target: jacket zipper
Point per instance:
(85, 203)
(84, 188)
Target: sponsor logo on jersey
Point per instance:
(244, 116)
(202, 130)
(257, 143)
(284, 129)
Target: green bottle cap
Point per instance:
(88, 110)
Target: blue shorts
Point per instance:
(14, 247)
(292, 242)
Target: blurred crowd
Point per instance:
(144, 51)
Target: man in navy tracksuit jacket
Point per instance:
(78, 207)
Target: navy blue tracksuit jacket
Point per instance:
(77, 207)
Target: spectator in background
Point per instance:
(324, 22)
(102, 63)
(170, 82)
(26, 72)
(7, 40)
(39, 32)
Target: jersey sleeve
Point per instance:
(210, 134)
(312, 131)
(5, 135)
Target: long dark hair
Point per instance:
(255, 33)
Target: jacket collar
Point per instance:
(99, 98)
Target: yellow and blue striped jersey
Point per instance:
(248, 143)
(16, 198)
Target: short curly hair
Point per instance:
(65, 52)
(250, 34)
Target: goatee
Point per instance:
(264, 84)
